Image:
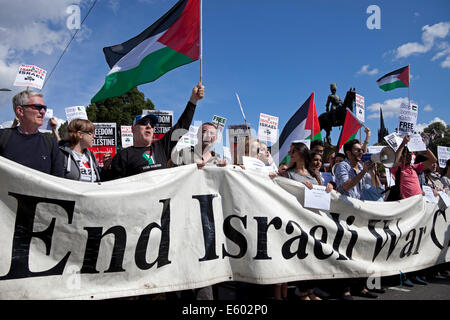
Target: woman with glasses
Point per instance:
(79, 162)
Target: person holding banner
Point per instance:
(79, 162)
(24, 144)
(202, 153)
(144, 155)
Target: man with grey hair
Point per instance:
(201, 153)
(24, 144)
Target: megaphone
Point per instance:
(386, 157)
(333, 168)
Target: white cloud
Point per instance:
(365, 70)
(421, 126)
(390, 108)
(428, 108)
(429, 35)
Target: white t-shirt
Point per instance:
(87, 173)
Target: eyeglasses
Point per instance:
(357, 149)
(146, 121)
(36, 106)
(88, 132)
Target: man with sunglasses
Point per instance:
(24, 144)
(350, 174)
(144, 155)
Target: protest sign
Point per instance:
(429, 195)
(105, 141)
(163, 231)
(375, 149)
(219, 121)
(189, 139)
(359, 107)
(127, 136)
(46, 123)
(443, 155)
(407, 118)
(268, 128)
(393, 140)
(30, 76)
(317, 198)
(165, 120)
(416, 143)
(236, 140)
(77, 112)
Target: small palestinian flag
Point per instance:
(395, 79)
(172, 41)
(299, 127)
(349, 130)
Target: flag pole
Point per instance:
(409, 85)
(313, 114)
(201, 41)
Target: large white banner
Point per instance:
(185, 227)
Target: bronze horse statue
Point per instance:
(325, 119)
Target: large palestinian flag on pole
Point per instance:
(395, 79)
(303, 125)
(172, 41)
(349, 130)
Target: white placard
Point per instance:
(77, 112)
(127, 136)
(30, 76)
(445, 198)
(317, 198)
(46, 123)
(268, 128)
(359, 107)
(189, 139)
(219, 121)
(393, 140)
(443, 155)
(375, 149)
(227, 154)
(407, 118)
(416, 143)
(429, 195)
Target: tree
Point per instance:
(439, 135)
(120, 110)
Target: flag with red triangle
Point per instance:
(349, 130)
(172, 41)
(395, 79)
(303, 125)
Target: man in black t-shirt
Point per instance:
(144, 155)
(24, 144)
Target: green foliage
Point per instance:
(62, 131)
(439, 129)
(120, 110)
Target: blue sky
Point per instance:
(274, 54)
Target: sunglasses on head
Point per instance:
(36, 106)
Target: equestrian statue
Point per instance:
(336, 110)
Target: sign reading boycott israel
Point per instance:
(183, 228)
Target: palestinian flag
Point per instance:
(349, 130)
(395, 79)
(299, 127)
(172, 41)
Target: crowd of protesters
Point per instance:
(350, 176)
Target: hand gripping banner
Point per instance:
(184, 227)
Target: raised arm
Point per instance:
(398, 153)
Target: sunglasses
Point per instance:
(36, 106)
(357, 149)
(146, 121)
